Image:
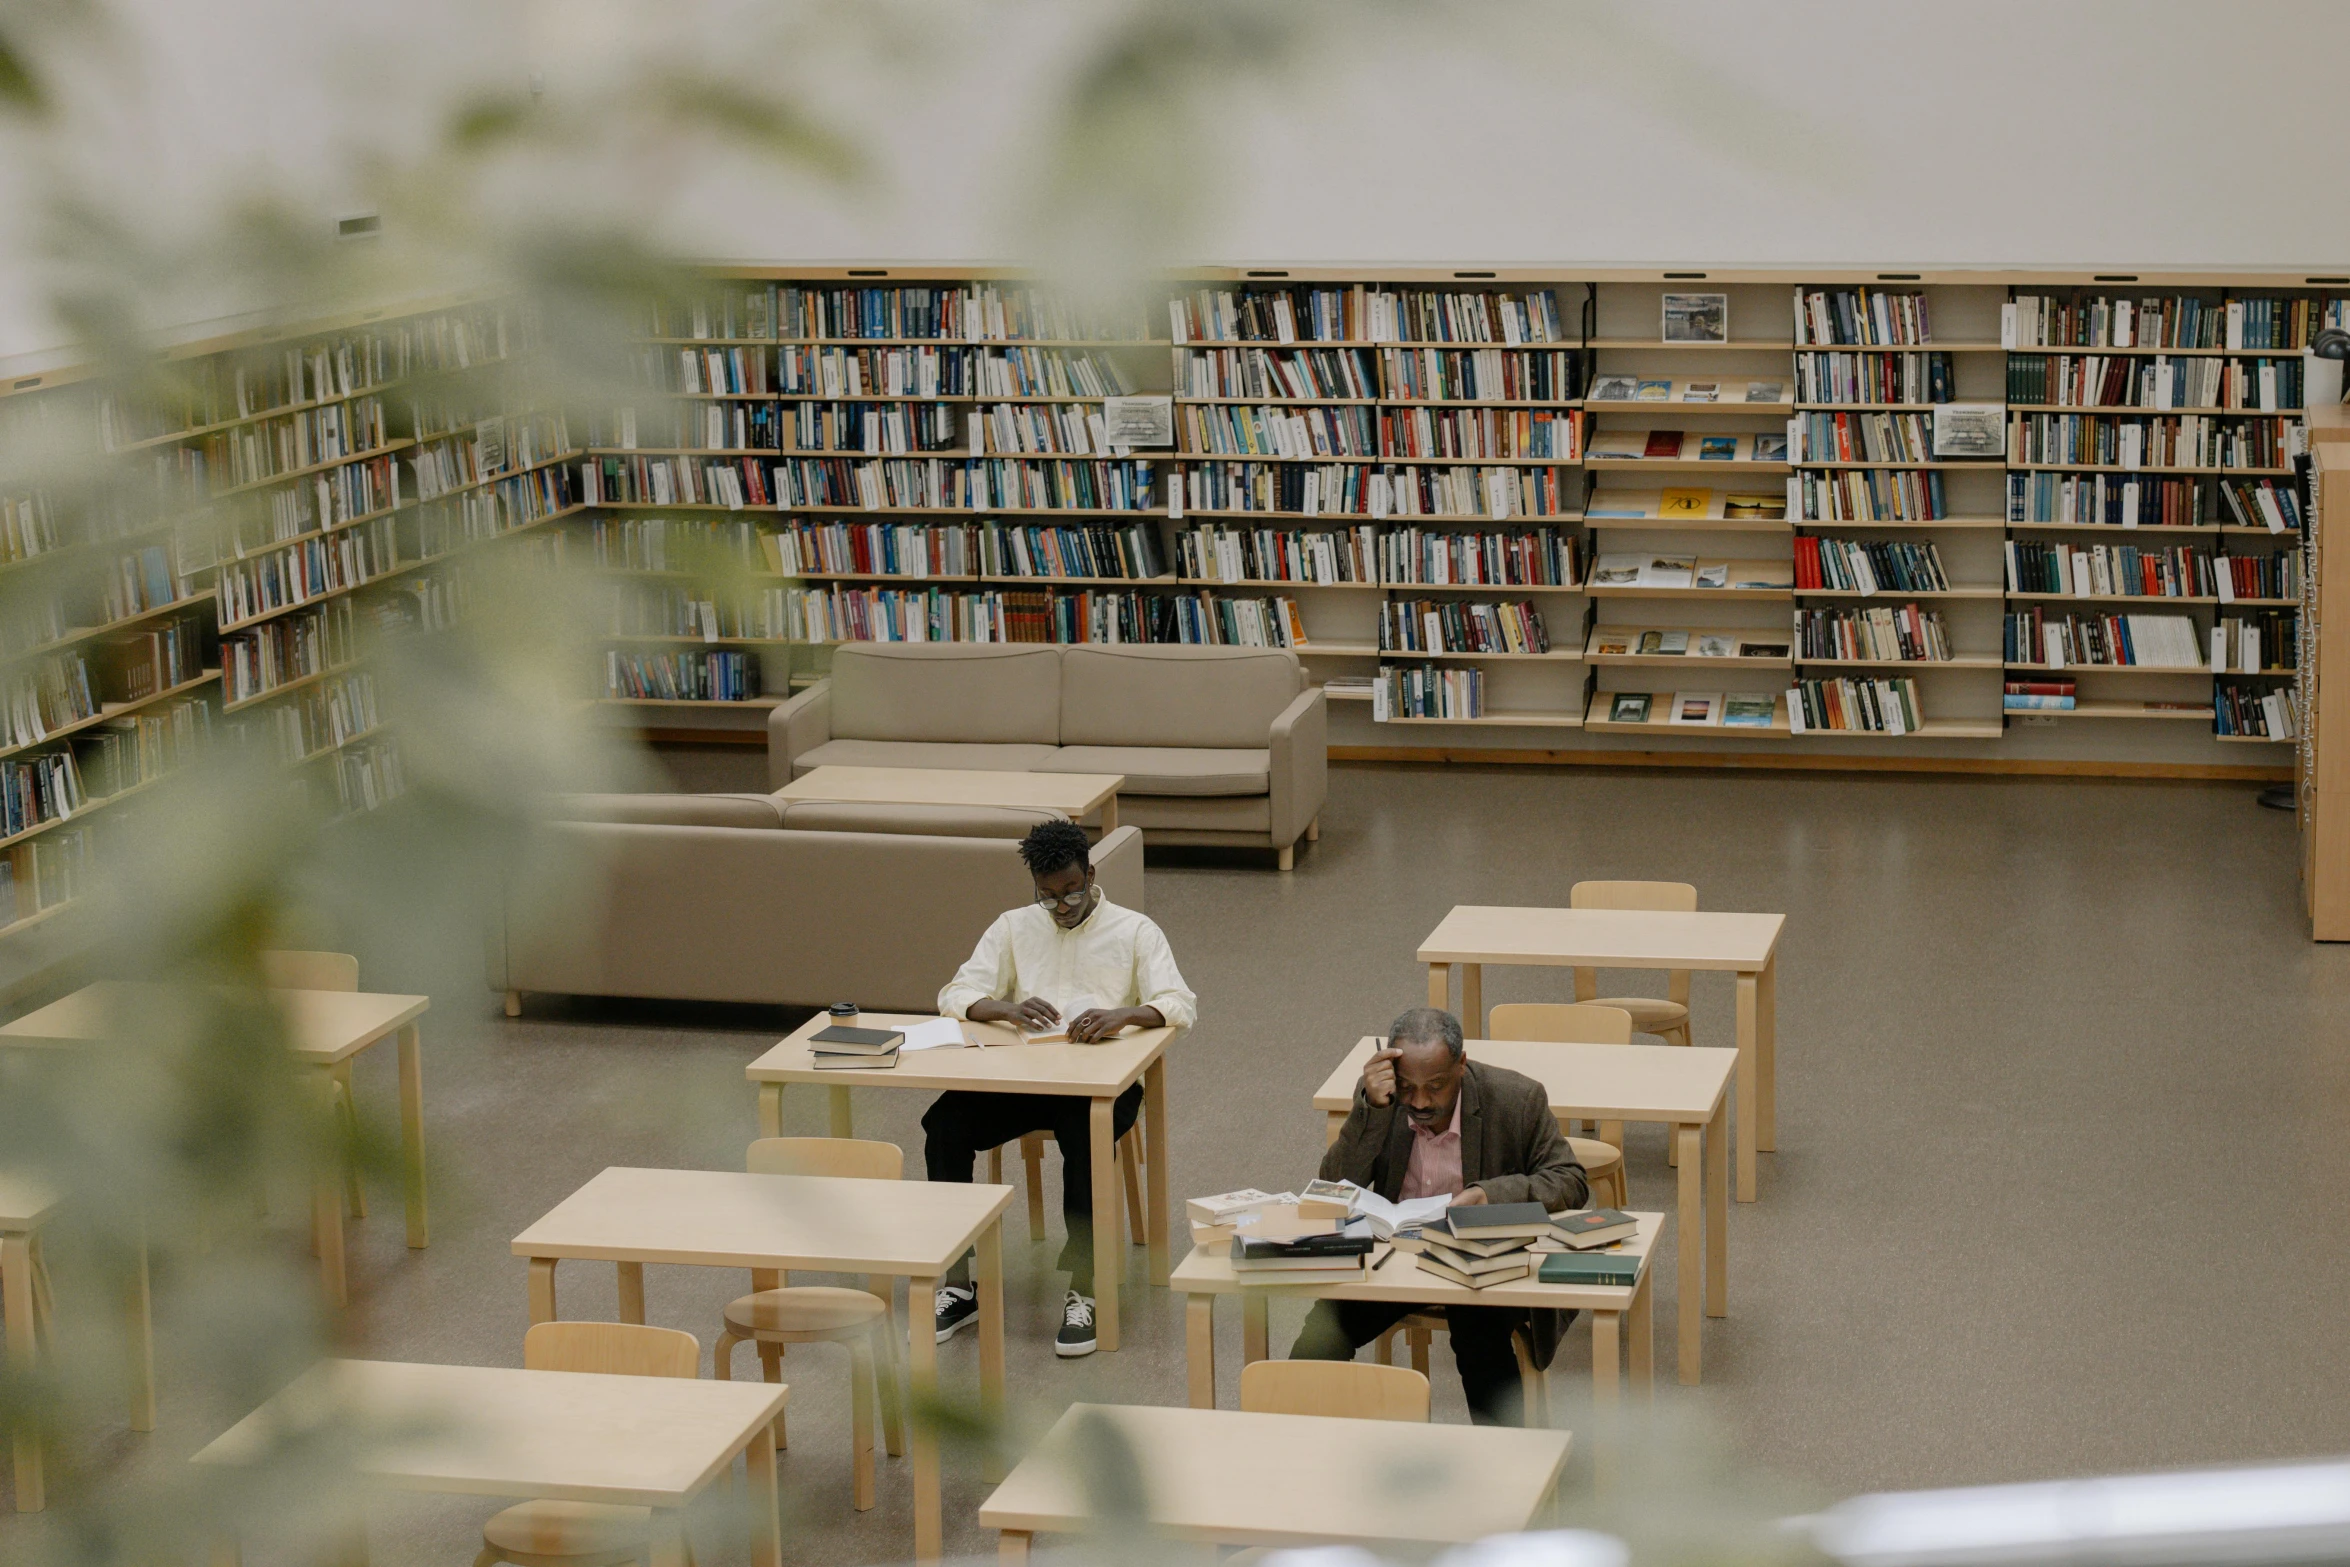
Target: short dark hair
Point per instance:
(1050, 846)
(1424, 1025)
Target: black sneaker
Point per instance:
(1076, 1336)
(956, 1306)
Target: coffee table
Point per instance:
(1076, 795)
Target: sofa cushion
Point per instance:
(983, 695)
(934, 821)
(917, 753)
(669, 810)
(1170, 770)
(1236, 813)
(1223, 697)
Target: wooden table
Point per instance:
(1222, 1477)
(1742, 944)
(572, 1436)
(1687, 1089)
(1098, 1072)
(1076, 795)
(324, 1028)
(1208, 1273)
(774, 1223)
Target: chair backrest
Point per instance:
(1672, 897)
(309, 971)
(1350, 1389)
(1559, 1023)
(625, 1349)
(857, 1158)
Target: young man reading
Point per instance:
(1071, 956)
(1427, 1120)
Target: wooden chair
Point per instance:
(1130, 1162)
(1667, 1019)
(289, 970)
(1350, 1389)
(778, 1312)
(1419, 1330)
(587, 1534)
(1583, 1023)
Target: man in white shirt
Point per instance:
(1071, 954)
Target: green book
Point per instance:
(1590, 1267)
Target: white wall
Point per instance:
(2138, 133)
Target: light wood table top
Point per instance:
(724, 1219)
(325, 1027)
(493, 1431)
(1075, 794)
(1668, 1083)
(1005, 1066)
(25, 1204)
(1232, 1478)
(1208, 1271)
(1604, 938)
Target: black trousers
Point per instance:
(1480, 1335)
(959, 1124)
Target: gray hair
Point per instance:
(1426, 1025)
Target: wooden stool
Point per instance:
(779, 1313)
(1603, 1169)
(1582, 1023)
(1345, 1388)
(588, 1534)
(1666, 1019)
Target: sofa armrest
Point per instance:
(796, 728)
(1300, 745)
(1117, 866)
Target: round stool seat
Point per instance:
(1649, 1015)
(811, 1308)
(1594, 1155)
(569, 1529)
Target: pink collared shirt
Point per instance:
(1436, 1161)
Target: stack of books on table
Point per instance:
(1485, 1245)
(1593, 1239)
(841, 1048)
(1309, 1252)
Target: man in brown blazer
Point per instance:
(1426, 1120)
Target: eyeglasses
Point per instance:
(1068, 902)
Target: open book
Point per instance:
(1385, 1218)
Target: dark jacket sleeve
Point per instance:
(1527, 1140)
(1361, 1141)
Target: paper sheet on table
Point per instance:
(940, 1033)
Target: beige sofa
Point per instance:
(740, 897)
(1219, 745)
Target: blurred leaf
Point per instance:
(18, 90)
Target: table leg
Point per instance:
(1766, 1056)
(1109, 816)
(1109, 1250)
(843, 1125)
(1717, 1216)
(16, 1299)
(766, 1518)
(921, 1387)
(770, 1109)
(1473, 1000)
(1154, 1173)
(893, 1399)
(1337, 1124)
(1011, 1548)
(1747, 1007)
(1199, 1349)
(988, 1273)
(667, 1545)
(1256, 1327)
(326, 1220)
(412, 1131)
(1689, 1245)
(1440, 985)
(632, 1291)
(542, 1290)
(1606, 1394)
(142, 1344)
(1643, 1337)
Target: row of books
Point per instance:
(728, 310)
(1695, 709)
(909, 484)
(2038, 636)
(435, 528)
(2266, 641)
(1353, 490)
(1686, 446)
(2105, 498)
(53, 869)
(2159, 441)
(137, 582)
(1343, 373)
(256, 452)
(1875, 378)
(141, 747)
(312, 569)
(216, 388)
(1037, 429)
(368, 777)
(1639, 389)
(28, 526)
(492, 449)
(135, 665)
(48, 695)
(1452, 626)
(878, 614)
(1868, 495)
(1645, 569)
(1363, 314)
(681, 677)
(37, 619)
(1862, 706)
(1871, 317)
(1474, 433)
(1426, 691)
(2060, 695)
(2263, 503)
(1880, 632)
(43, 788)
(1028, 371)
(1862, 437)
(1690, 503)
(1537, 557)
(1479, 375)
(1868, 566)
(256, 662)
(2131, 571)
(1614, 642)
(722, 372)
(2154, 381)
(2256, 712)
(663, 609)
(1033, 551)
(315, 719)
(2163, 321)
(971, 313)
(1241, 430)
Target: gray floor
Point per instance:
(2060, 1180)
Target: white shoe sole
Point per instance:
(947, 1333)
(1073, 1351)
